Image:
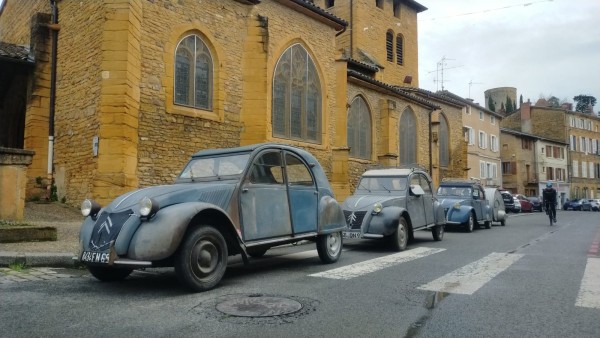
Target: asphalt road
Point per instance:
(522, 280)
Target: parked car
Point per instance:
(572, 205)
(586, 205)
(526, 204)
(536, 202)
(517, 205)
(391, 204)
(494, 198)
(509, 202)
(465, 204)
(225, 202)
(595, 203)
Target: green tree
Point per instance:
(509, 105)
(520, 100)
(553, 102)
(491, 104)
(585, 103)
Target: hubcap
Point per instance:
(401, 234)
(333, 243)
(205, 258)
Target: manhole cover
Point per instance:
(259, 306)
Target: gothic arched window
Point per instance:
(408, 137)
(443, 142)
(296, 96)
(399, 50)
(193, 73)
(359, 129)
(389, 46)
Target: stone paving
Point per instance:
(8, 276)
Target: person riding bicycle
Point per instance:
(549, 200)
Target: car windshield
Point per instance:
(454, 191)
(370, 184)
(207, 168)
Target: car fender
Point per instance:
(331, 216)
(459, 215)
(489, 215)
(159, 237)
(386, 221)
(438, 211)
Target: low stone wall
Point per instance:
(13, 180)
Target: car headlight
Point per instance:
(90, 208)
(456, 205)
(377, 208)
(148, 207)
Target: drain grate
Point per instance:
(259, 306)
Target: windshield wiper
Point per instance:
(360, 185)
(384, 187)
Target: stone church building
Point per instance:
(114, 95)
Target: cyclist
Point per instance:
(549, 200)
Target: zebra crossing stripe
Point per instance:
(589, 291)
(471, 277)
(372, 265)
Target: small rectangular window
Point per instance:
(397, 8)
(329, 3)
(379, 3)
(481, 115)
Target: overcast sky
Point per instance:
(549, 47)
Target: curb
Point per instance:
(63, 259)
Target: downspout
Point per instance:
(430, 146)
(351, 29)
(54, 28)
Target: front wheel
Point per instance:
(488, 224)
(503, 222)
(202, 259)
(438, 232)
(109, 274)
(470, 223)
(399, 239)
(329, 247)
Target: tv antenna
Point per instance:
(440, 67)
(470, 84)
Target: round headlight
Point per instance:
(456, 205)
(89, 208)
(148, 207)
(377, 208)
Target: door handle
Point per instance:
(245, 190)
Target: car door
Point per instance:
(427, 200)
(477, 203)
(303, 194)
(264, 203)
(415, 204)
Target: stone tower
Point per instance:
(499, 96)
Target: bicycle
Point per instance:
(549, 213)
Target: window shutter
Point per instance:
(389, 46)
(513, 168)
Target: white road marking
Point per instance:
(299, 255)
(589, 291)
(471, 277)
(372, 265)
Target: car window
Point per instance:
(454, 191)
(425, 184)
(215, 166)
(297, 172)
(267, 169)
(382, 184)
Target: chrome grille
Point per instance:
(354, 219)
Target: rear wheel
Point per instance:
(503, 222)
(202, 259)
(109, 274)
(329, 247)
(438, 232)
(399, 239)
(488, 224)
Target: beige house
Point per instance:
(578, 130)
(530, 161)
(481, 131)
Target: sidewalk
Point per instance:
(59, 253)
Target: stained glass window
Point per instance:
(296, 96)
(193, 73)
(359, 129)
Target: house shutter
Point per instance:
(513, 168)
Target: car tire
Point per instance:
(470, 225)
(109, 274)
(329, 247)
(202, 258)
(438, 232)
(487, 224)
(503, 222)
(399, 239)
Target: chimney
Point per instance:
(526, 117)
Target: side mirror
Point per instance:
(417, 190)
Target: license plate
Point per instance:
(350, 235)
(95, 257)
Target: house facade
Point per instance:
(140, 85)
(530, 161)
(579, 131)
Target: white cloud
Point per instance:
(549, 47)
